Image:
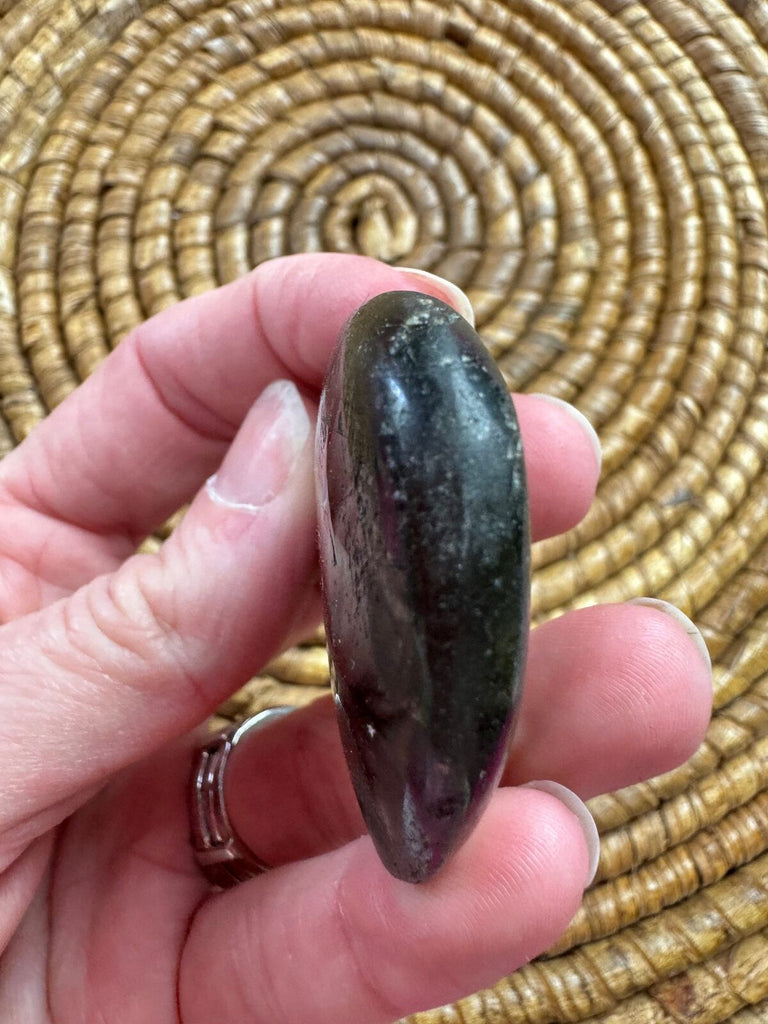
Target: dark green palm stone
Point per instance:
(424, 545)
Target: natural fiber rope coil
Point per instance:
(595, 177)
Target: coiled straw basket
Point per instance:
(595, 176)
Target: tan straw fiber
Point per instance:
(594, 175)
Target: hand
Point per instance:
(109, 658)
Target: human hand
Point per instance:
(109, 659)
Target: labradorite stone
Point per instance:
(424, 546)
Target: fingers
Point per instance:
(614, 694)
(562, 461)
(99, 679)
(124, 887)
(137, 439)
(288, 790)
(138, 656)
(618, 693)
(375, 948)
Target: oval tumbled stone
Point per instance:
(424, 551)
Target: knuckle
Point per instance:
(188, 409)
(141, 642)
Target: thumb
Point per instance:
(107, 675)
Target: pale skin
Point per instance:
(110, 660)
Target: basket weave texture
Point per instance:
(595, 177)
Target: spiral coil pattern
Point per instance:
(595, 177)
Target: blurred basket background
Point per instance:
(595, 177)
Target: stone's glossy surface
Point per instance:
(424, 551)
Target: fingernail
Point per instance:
(579, 809)
(453, 294)
(682, 619)
(582, 420)
(267, 447)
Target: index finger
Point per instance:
(138, 438)
(135, 441)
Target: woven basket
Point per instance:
(595, 177)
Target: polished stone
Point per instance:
(424, 547)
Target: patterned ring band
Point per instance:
(223, 857)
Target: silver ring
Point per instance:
(223, 857)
